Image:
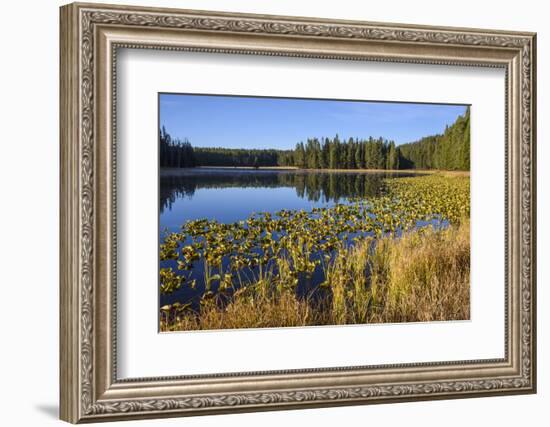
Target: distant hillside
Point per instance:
(450, 151)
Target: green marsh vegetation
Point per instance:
(400, 255)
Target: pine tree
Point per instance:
(300, 155)
(392, 161)
(350, 154)
(335, 153)
(358, 156)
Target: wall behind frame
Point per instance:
(29, 176)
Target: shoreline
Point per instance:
(203, 169)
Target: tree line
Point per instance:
(327, 153)
(450, 150)
(238, 157)
(175, 153)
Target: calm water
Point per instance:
(230, 195)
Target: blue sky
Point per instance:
(253, 122)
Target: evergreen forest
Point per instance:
(449, 150)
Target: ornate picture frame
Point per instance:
(90, 37)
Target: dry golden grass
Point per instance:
(421, 276)
(248, 312)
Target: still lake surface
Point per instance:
(231, 195)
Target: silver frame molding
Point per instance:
(90, 37)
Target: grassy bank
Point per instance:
(421, 276)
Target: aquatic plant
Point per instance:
(417, 277)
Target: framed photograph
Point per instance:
(267, 212)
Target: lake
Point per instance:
(228, 195)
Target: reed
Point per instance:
(421, 275)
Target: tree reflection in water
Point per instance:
(311, 185)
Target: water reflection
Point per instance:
(312, 186)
